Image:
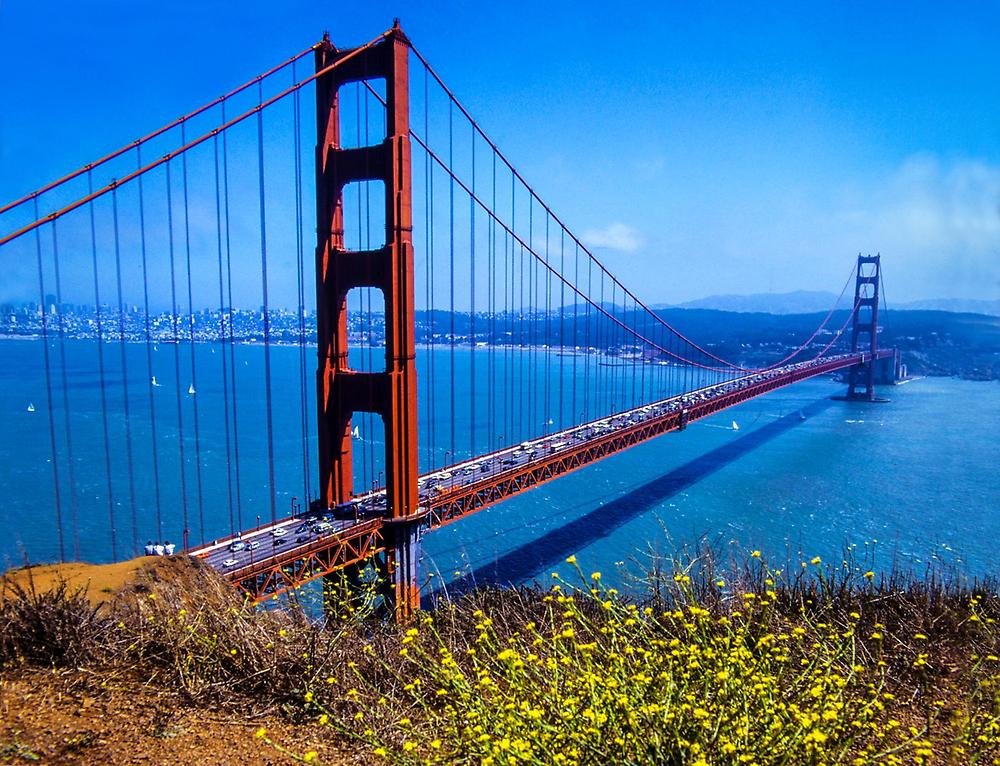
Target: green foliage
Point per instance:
(778, 669)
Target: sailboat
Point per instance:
(736, 426)
(155, 384)
(31, 407)
(191, 390)
(356, 433)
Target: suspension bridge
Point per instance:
(434, 261)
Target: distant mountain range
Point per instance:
(810, 302)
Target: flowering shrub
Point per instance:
(815, 663)
(579, 674)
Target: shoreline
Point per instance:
(561, 352)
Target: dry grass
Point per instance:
(808, 664)
(98, 582)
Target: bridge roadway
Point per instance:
(273, 558)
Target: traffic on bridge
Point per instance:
(275, 557)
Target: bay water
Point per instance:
(801, 474)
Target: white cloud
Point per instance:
(615, 236)
(940, 222)
(935, 219)
(932, 205)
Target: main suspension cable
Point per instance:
(158, 132)
(94, 194)
(514, 172)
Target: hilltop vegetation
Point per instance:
(931, 342)
(815, 663)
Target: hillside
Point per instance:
(748, 663)
(807, 301)
(932, 342)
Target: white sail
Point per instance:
(736, 426)
(155, 384)
(31, 407)
(356, 433)
(191, 390)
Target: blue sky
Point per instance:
(700, 148)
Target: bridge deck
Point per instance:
(276, 557)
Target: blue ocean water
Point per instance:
(801, 472)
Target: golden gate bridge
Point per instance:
(417, 214)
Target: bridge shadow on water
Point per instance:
(528, 560)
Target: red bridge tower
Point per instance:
(341, 390)
(864, 334)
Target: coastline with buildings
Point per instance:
(931, 342)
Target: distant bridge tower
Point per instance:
(342, 391)
(864, 334)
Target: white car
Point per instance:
(229, 563)
(237, 546)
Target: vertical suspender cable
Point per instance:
(562, 330)
(432, 445)
(267, 317)
(232, 329)
(548, 315)
(451, 269)
(124, 361)
(493, 311)
(636, 351)
(575, 342)
(300, 284)
(490, 310)
(532, 304)
(510, 336)
(603, 344)
(616, 371)
(100, 364)
(177, 358)
(429, 301)
(507, 340)
(191, 333)
(48, 390)
(587, 344)
(522, 321)
(472, 305)
(154, 446)
(644, 397)
(222, 335)
(70, 460)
